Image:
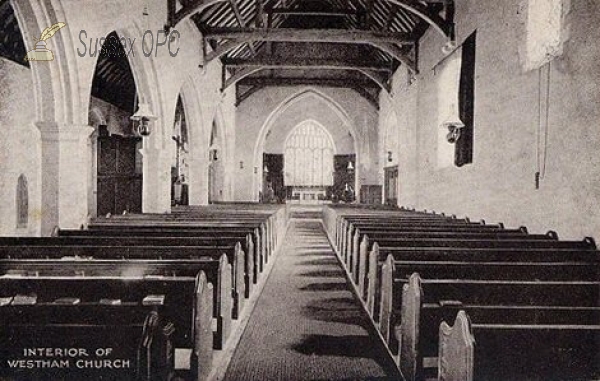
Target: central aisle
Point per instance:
(306, 324)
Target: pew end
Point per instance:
(456, 350)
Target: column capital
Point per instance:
(52, 131)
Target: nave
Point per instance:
(307, 325)
(264, 292)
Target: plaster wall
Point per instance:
(265, 118)
(510, 144)
(19, 148)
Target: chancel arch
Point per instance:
(307, 104)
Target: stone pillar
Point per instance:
(198, 180)
(64, 169)
(156, 188)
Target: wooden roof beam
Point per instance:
(239, 75)
(375, 76)
(309, 35)
(240, 20)
(300, 12)
(382, 40)
(398, 54)
(444, 27)
(329, 64)
(296, 81)
(175, 16)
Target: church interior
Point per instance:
(299, 190)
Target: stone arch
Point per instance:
(156, 186)
(147, 87)
(96, 118)
(218, 179)
(56, 92)
(287, 103)
(198, 136)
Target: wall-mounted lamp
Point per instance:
(453, 134)
(389, 156)
(241, 165)
(454, 125)
(266, 169)
(350, 166)
(449, 47)
(142, 118)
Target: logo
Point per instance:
(41, 53)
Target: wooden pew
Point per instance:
(213, 238)
(360, 268)
(419, 244)
(271, 221)
(377, 255)
(525, 264)
(377, 235)
(70, 259)
(426, 303)
(477, 349)
(213, 246)
(349, 240)
(262, 244)
(136, 337)
(74, 311)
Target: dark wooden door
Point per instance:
(119, 175)
(273, 178)
(391, 186)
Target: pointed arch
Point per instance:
(218, 146)
(148, 87)
(198, 135)
(56, 92)
(301, 95)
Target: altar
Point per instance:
(308, 195)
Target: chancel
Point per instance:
(287, 190)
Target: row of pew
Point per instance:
(460, 300)
(132, 297)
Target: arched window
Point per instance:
(22, 202)
(309, 154)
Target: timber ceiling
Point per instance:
(12, 45)
(113, 80)
(355, 44)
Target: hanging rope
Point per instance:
(542, 124)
